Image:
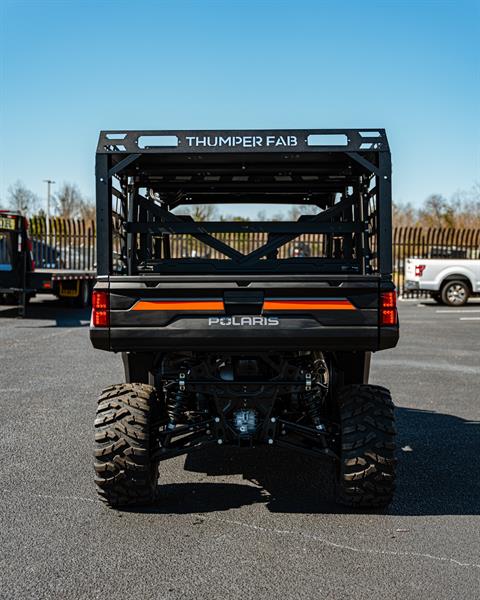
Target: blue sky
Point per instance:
(71, 68)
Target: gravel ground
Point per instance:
(237, 524)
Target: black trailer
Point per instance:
(244, 343)
(31, 264)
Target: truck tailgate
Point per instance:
(245, 313)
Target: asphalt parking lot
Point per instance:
(237, 524)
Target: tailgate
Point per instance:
(410, 274)
(10, 256)
(261, 314)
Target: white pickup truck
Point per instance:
(450, 281)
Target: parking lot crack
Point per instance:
(325, 542)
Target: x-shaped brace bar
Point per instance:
(200, 235)
(251, 258)
(281, 240)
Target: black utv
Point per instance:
(229, 335)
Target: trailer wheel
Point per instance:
(10, 299)
(455, 292)
(126, 474)
(84, 296)
(366, 476)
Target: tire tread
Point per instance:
(125, 474)
(367, 462)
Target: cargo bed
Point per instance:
(212, 313)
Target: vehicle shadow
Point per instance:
(48, 310)
(440, 475)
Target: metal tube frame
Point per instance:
(120, 154)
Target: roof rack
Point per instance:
(253, 140)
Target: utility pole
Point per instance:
(49, 183)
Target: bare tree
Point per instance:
(296, 211)
(290, 214)
(437, 212)
(87, 210)
(68, 201)
(279, 216)
(466, 205)
(404, 215)
(21, 198)
(461, 211)
(200, 212)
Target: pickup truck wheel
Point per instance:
(366, 475)
(126, 474)
(455, 293)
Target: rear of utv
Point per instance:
(244, 333)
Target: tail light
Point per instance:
(388, 308)
(100, 309)
(419, 269)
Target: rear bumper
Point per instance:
(428, 286)
(158, 339)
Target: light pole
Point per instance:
(49, 183)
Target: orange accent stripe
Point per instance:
(308, 304)
(178, 305)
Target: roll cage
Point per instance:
(142, 176)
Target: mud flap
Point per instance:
(69, 288)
